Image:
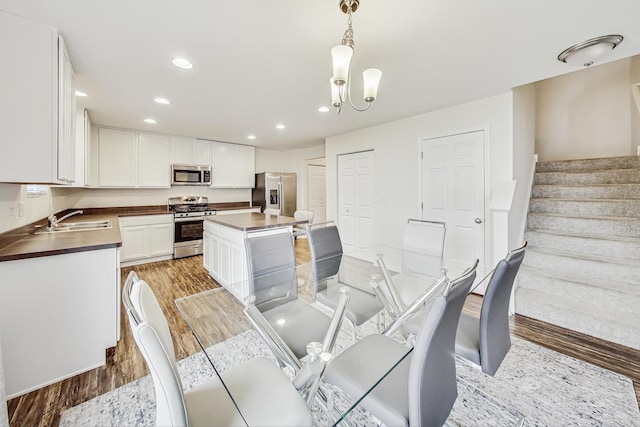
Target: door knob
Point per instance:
(478, 221)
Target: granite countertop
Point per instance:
(23, 243)
(33, 245)
(254, 221)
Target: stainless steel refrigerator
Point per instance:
(275, 190)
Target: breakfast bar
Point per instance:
(224, 254)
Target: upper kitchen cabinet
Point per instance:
(37, 105)
(117, 158)
(233, 165)
(189, 151)
(127, 158)
(154, 154)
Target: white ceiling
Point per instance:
(258, 63)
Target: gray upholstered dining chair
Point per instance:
(485, 340)
(263, 392)
(326, 255)
(273, 285)
(420, 390)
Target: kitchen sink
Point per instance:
(77, 226)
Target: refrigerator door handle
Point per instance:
(280, 197)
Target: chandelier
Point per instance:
(341, 55)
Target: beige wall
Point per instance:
(587, 113)
(395, 146)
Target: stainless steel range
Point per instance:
(189, 212)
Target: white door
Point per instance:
(453, 192)
(317, 192)
(355, 199)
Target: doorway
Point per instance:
(355, 199)
(452, 190)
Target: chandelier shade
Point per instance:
(341, 56)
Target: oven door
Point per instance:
(187, 237)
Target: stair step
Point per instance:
(603, 191)
(595, 291)
(624, 162)
(613, 176)
(577, 207)
(591, 319)
(619, 247)
(586, 226)
(618, 272)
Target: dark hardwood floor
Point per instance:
(177, 278)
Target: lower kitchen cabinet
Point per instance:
(146, 238)
(224, 258)
(59, 315)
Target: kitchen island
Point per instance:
(224, 254)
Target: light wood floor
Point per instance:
(177, 278)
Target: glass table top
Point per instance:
(286, 311)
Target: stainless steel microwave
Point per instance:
(190, 175)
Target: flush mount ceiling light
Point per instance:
(163, 101)
(280, 126)
(341, 55)
(588, 52)
(80, 93)
(182, 63)
(251, 137)
(323, 109)
(150, 121)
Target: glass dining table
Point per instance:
(285, 312)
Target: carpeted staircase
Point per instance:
(582, 267)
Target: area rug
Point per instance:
(535, 386)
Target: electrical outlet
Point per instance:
(12, 211)
(21, 209)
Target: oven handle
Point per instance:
(189, 219)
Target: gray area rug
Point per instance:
(538, 386)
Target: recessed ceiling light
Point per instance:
(323, 109)
(251, 137)
(79, 93)
(163, 101)
(280, 126)
(182, 63)
(150, 121)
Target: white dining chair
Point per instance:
(264, 394)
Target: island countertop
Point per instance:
(254, 221)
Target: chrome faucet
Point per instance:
(54, 221)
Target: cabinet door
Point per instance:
(223, 163)
(181, 150)
(245, 166)
(134, 242)
(238, 268)
(154, 157)
(225, 262)
(201, 153)
(206, 251)
(66, 116)
(214, 258)
(160, 239)
(88, 182)
(117, 158)
(28, 100)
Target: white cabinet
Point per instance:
(245, 166)
(146, 238)
(153, 160)
(37, 105)
(66, 116)
(233, 165)
(64, 309)
(189, 151)
(117, 158)
(127, 158)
